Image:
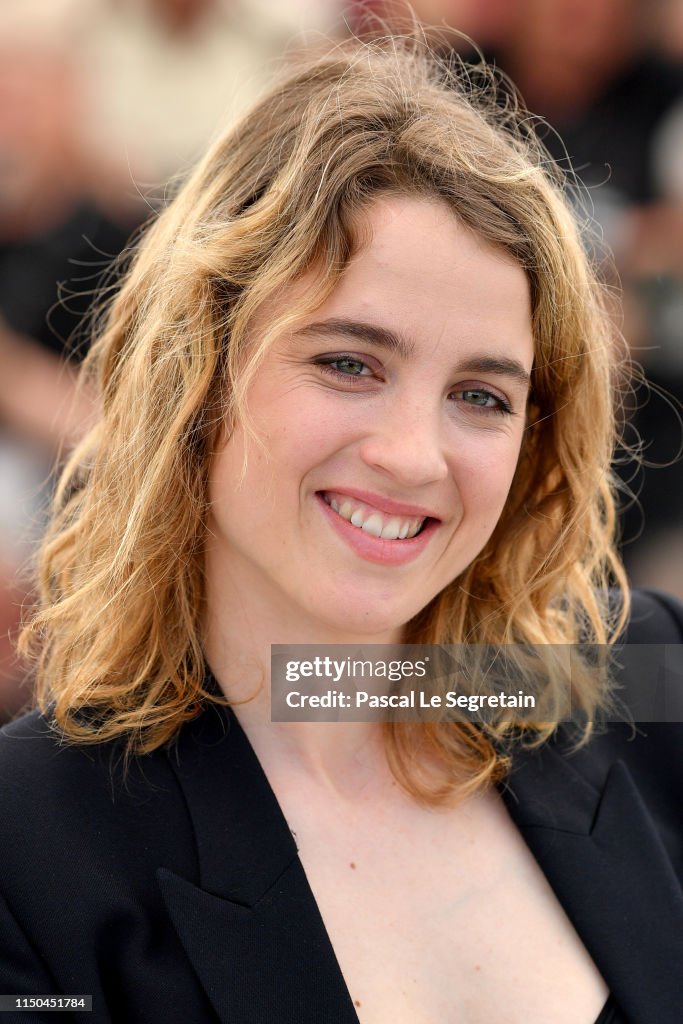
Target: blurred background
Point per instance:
(102, 102)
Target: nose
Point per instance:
(408, 444)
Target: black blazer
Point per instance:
(177, 895)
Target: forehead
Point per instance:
(409, 235)
(422, 272)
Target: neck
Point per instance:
(340, 756)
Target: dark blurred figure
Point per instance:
(58, 230)
(615, 106)
(61, 218)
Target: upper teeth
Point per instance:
(378, 524)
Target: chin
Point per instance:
(367, 617)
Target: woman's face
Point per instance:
(397, 409)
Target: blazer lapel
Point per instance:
(250, 926)
(604, 860)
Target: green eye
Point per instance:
(352, 367)
(482, 398)
(344, 367)
(476, 397)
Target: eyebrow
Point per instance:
(376, 335)
(383, 337)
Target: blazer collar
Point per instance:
(603, 857)
(252, 930)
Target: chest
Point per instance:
(444, 916)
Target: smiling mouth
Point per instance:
(371, 520)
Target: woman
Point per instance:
(356, 388)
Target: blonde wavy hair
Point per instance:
(117, 636)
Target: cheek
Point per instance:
(237, 494)
(309, 434)
(300, 418)
(485, 475)
(253, 482)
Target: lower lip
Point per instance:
(376, 549)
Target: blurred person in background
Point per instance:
(62, 217)
(165, 73)
(615, 109)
